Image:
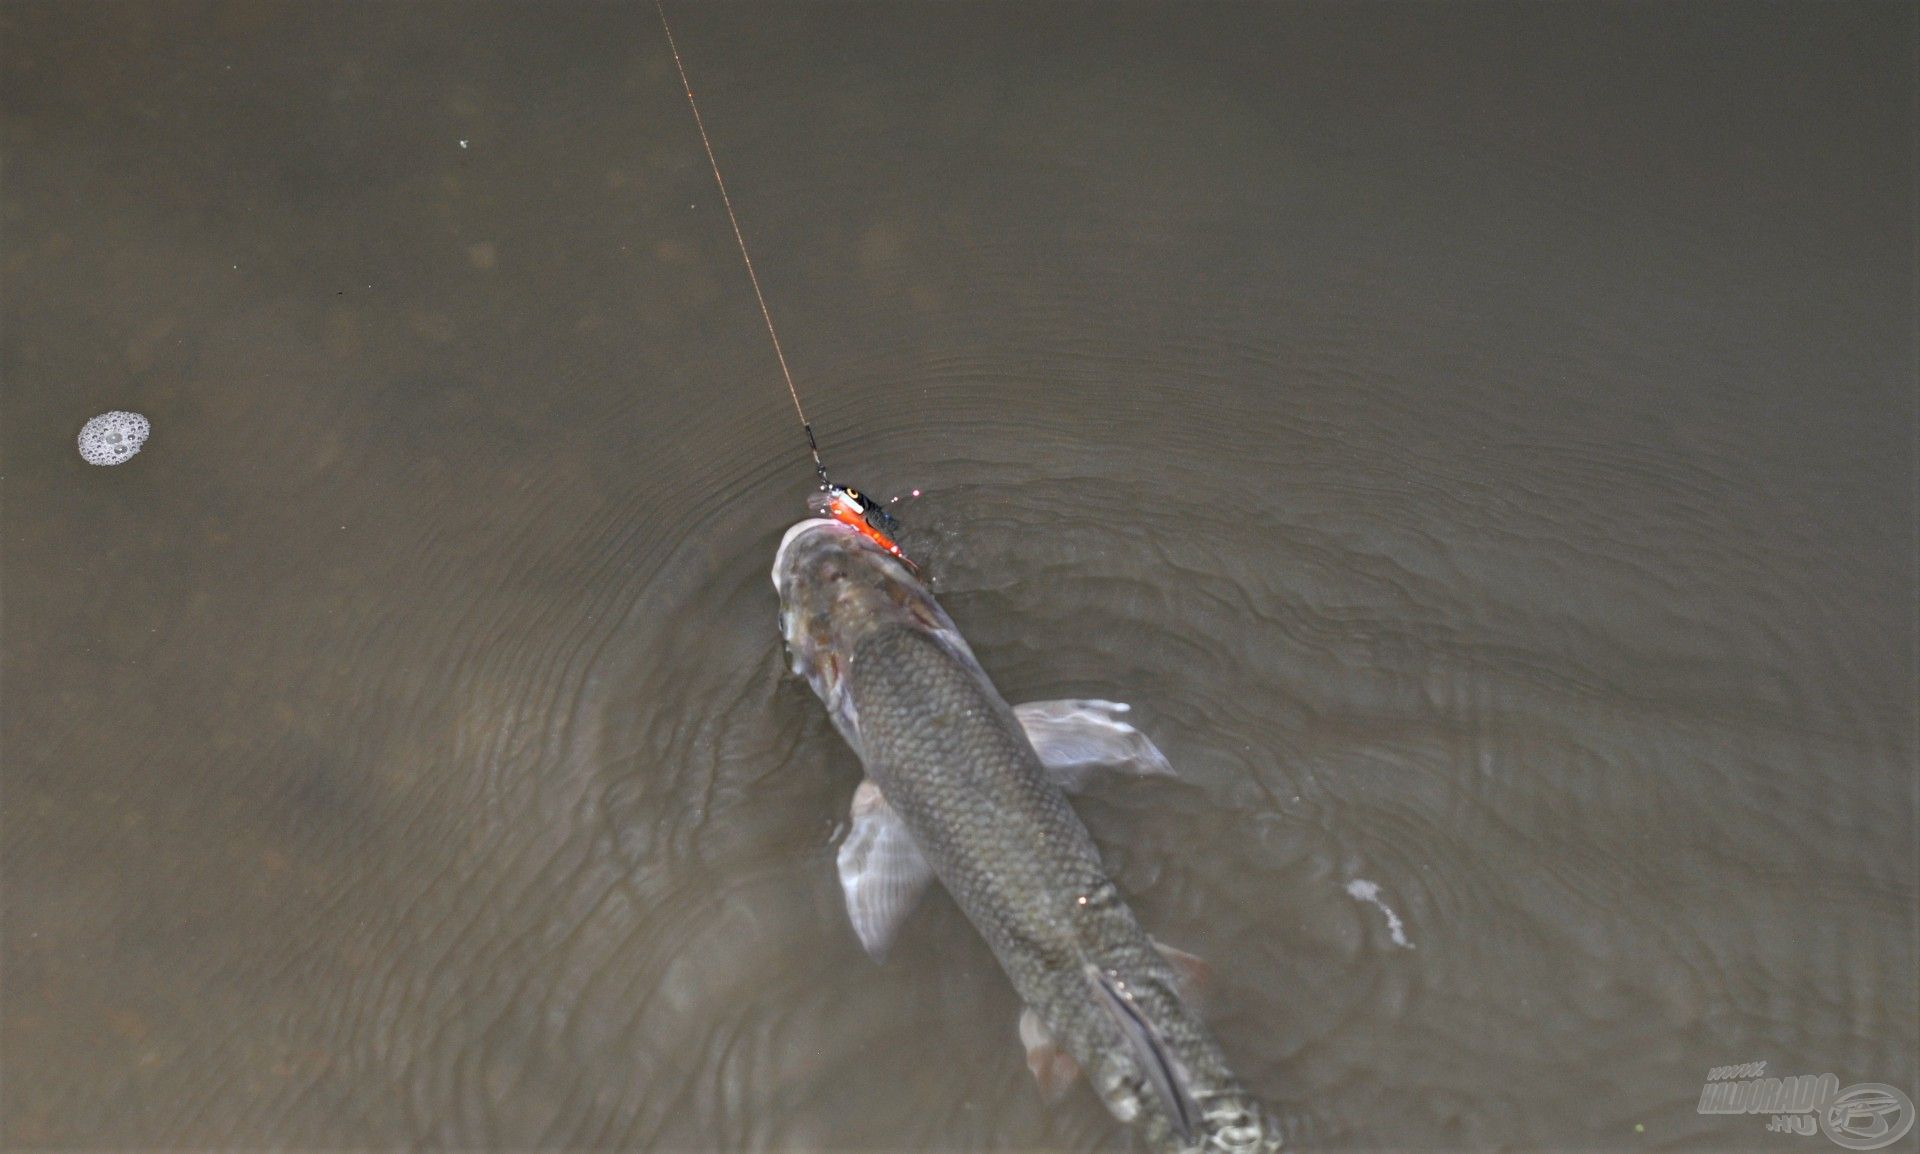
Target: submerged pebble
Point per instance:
(111, 438)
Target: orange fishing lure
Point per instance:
(857, 511)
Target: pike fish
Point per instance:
(963, 788)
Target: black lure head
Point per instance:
(871, 511)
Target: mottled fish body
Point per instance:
(965, 788)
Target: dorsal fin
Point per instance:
(1164, 1072)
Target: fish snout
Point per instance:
(791, 548)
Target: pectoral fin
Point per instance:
(1077, 737)
(881, 871)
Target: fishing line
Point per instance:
(739, 239)
(843, 503)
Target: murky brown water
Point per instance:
(1478, 440)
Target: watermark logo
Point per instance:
(1864, 1116)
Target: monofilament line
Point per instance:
(739, 239)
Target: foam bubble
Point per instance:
(111, 438)
(1369, 892)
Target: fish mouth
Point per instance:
(799, 530)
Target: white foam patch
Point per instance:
(1369, 892)
(113, 438)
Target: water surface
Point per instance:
(1478, 440)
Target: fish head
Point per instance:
(837, 587)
